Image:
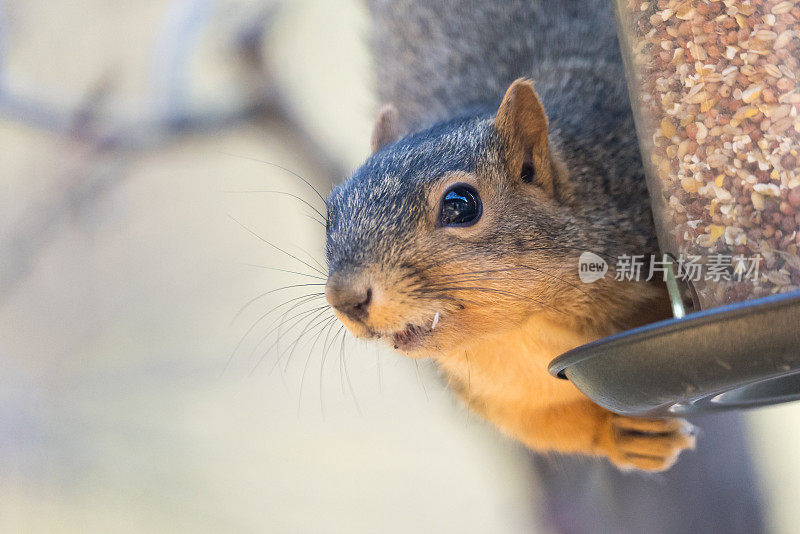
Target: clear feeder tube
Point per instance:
(715, 92)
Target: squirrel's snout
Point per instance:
(350, 297)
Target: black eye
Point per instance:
(461, 206)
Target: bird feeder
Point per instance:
(715, 89)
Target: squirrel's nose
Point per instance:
(349, 297)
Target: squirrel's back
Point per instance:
(440, 59)
(436, 58)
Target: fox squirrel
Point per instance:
(458, 238)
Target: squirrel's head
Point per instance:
(453, 233)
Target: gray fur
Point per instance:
(447, 84)
(445, 66)
(438, 58)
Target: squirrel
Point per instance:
(506, 148)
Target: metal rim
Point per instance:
(771, 385)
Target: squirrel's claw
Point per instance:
(646, 444)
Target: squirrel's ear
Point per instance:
(521, 120)
(387, 128)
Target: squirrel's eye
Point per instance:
(461, 206)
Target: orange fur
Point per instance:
(502, 315)
(504, 378)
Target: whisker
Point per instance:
(469, 376)
(572, 285)
(438, 296)
(286, 193)
(309, 316)
(325, 348)
(333, 340)
(300, 316)
(324, 225)
(276, 247)
(567, 247)
(307, 331)
(341, 374)
(379, 370)
(270, 292)
(528, 249)
(343, 332)
(325, 324)
(312, 258)
(483, 271)
(309, 184)
(419, 379)
(499, 291)
(451, 279)
(317, 312)
(501, 270)
(302, 298)
(283, 270)
(347, 376)
(462, 280)
(262, 317)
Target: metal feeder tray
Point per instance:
(742, 355)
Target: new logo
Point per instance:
(591, 267)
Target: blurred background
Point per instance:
(161, 370)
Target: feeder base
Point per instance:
(742, 355)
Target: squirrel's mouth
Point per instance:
(413, 336)
(410, 337)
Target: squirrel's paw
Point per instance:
(646, 444)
